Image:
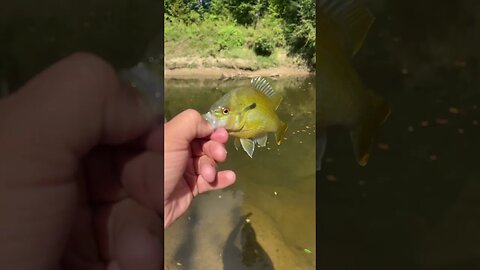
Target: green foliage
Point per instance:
(218, 26)
(184, 10)
(229, 37)
(299, 21)
(178, 8)
(246, 12)
(267, 36)
(302, 41)
(178, 30)
(262, 45)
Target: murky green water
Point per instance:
(277, 186)
(416, 204)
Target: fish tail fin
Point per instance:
(362, 136)
(281, 132)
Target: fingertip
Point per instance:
(220, 135)
(223, 180)
(229, 177)
(233, 176)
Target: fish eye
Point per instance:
(225, 110)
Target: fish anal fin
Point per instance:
(248, 146)
(261, 141)
(282, 128)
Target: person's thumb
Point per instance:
(184, 128)
(78, 103)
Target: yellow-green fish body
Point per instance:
(342, 98)
(249, 114)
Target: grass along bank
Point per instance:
(218, 47)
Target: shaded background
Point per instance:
(416, 205)
(35, 34)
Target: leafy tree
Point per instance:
(276, 23)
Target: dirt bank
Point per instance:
(227, 73)
(226, 68)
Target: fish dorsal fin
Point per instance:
(353, 19)
(261, 85)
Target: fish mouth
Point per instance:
(212, 120)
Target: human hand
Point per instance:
(192, 150)
(80, 172)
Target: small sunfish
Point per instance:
(342, 98)
(249, 114)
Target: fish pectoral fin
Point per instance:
(250, 107)
(353, 19)
(282, 128)
(248, 145)
(261, 141)
(236, 142)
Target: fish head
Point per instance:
(217, 117)
(227, 112)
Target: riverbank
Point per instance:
(224, 68)
(229, 73)
(215, 48)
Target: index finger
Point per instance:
(220, 135)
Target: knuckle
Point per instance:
(192, 114)
(95, 70)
